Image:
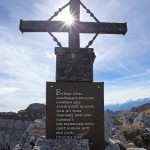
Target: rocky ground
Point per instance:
(132, 127)
(13, 125)
(123, 130)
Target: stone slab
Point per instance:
(57, 144)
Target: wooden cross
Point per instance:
(76, 28)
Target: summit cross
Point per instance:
(79, 114)
(74, 29)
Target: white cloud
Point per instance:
(133, 77)
(8, 90)
(128, 88)
(24, 71)
(120, 95)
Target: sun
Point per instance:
(68, 19)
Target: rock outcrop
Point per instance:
(118, 135)
(107, 127)
(140, 108)
(109, 143)
(129, 118)
(35, 131)
(142, 120)
(13, 125)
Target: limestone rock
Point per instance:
(142, 120)
(120, 144)
(111, 145)
(148, 129)
(36, 106)
(117, 135)
(129, 118)
(35, 131)
(13, 125)
(141, 108)
(107, 127)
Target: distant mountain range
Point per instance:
(127, 105)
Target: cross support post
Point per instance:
(74, 37)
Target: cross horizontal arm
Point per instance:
(42, 26)
(80, 27)
(102, 27)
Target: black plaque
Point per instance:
(75, 110)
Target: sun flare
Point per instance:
(68, 19)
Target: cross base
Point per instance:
(74, 65)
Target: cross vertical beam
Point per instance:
(74, 36)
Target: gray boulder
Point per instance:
(120, 144)
(117, 135)
(107, 127)
(142, 120)
(35, 131)
(111, 145)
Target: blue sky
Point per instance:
(28, 60)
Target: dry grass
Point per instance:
(131, 131)
(146, 112)
(121, 119)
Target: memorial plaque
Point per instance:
(75, 110)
